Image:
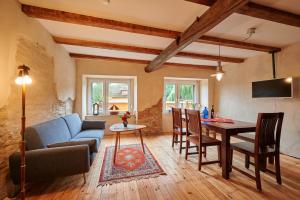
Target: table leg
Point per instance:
(141, 136)
(116, 146)
(119, 140)
(225, 155)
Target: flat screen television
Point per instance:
(282, 88)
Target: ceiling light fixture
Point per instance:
(219, 72)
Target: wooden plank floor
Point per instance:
(183, 180)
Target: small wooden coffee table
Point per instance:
(118, 128)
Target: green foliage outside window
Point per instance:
(186, 92)
(97, 92)
(170, 92)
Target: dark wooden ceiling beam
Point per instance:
(56, 15)
(271, 14)
(96, 44)
(85, 56)
(237, 44)
(219, 11)
(262, 12)
(62, 16)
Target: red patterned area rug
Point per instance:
(131, 164)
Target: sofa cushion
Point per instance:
(74, 123)
(96, 142)
(40, 135)
(88, 125)
(92, 143)
(90, 134)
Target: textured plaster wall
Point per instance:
(24, 41)
(14, 25)
(233, 95)
(150, 87)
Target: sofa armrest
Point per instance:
(43, 164)
(86, 125)
(92, 143)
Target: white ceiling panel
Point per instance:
(269, 33)
(104, 35)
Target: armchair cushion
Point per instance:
(92, 143)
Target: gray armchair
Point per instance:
(61, 147)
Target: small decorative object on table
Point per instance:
(114, 110)
(205, 113)
(95, 109)
(125, 118)
(212, 112)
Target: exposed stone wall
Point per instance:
(41, 102)
(152, 118)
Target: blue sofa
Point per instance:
(60, 147)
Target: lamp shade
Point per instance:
(219, 72)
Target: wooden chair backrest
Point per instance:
(193, 123)
(177, 118)
(268, 131)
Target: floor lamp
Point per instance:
(23, 79)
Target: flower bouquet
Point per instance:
(125, 118)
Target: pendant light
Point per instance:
(219, 72)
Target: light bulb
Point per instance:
(219, 76)
(20, 80)
(27, 80)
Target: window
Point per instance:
(118, 95)
(181, 93)
(170, 96)
(109, 92)
(98, 95)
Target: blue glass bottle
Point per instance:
(205, 113)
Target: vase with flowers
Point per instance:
(125, 118)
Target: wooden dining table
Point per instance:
(227, 130)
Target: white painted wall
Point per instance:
(233, 95)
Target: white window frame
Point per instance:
(181, 81)
(106, 80)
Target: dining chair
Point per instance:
(194, 135)
(178, 130)
(266, 145)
